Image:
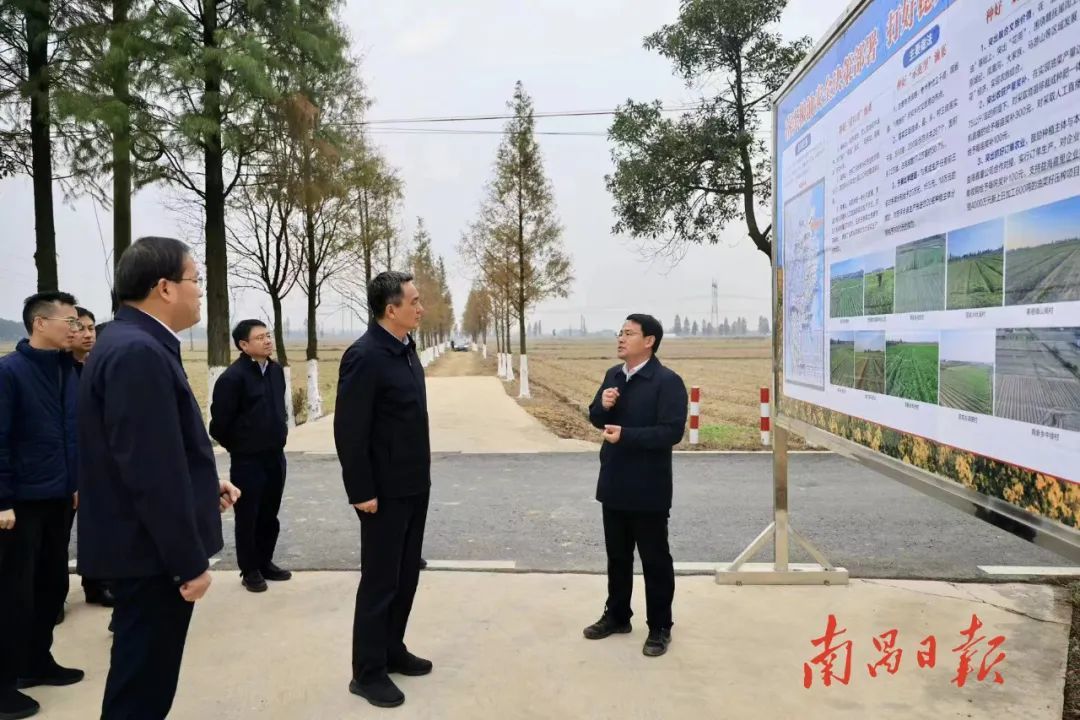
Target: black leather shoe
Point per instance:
(54, 675)
(423, 564)
(381, 692)
(606, 626)
(254, 582)
(276, 574)
(100, 595)
(14, 705)
(657, 642)
(409, 664)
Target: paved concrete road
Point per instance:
(538, 511)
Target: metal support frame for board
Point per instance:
(780, 571)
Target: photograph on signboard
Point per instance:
(879, 282)
(870, 361)
(1042, 254)
(846, 288)
(842, 359)
(911, 365)
(1038, 376)
(920, 275)
(967, 370)
(976, 266)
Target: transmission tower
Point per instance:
(714, 314)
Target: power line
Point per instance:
(472, 118)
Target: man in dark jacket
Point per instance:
(381, 433)
(149, 492)
(641, 408)
(248, 418)
(37, 487)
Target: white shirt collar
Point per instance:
(171, 331)
(630, 372)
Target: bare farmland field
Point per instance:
(1038, 376)
(565, 375)
(1042, 274)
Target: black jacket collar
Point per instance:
(647, 369)
(387, 339)
(150, 325)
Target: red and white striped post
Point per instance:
(765, 424)
(695, 414)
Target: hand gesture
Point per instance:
(612, 433)
(7, 519)
(608, 399)
(229, 494)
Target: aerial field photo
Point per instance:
(1042, 254)
(870, 361)
(842, 359)
(879, 282)
(920, 275)
(911, 366)
(846, 289)
(976, 266)
(967, 370)
(1037, 377)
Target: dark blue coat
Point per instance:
(248, 414)
(148, 483)
(635, 473)
(38, 391)
(381, 419)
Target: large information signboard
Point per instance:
(928, 256)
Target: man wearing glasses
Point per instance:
(37, 491)
(641, 408)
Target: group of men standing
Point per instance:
(123, 442)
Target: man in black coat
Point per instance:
(641, 408)
(381, 433)
(248, 418)
(149, 493)
(37, 487)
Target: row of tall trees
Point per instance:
(251, 112)
(515, 244)
(740, 326)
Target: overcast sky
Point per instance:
(423, 59)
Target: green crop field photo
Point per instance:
(879, 282)
(846, 289)
(911, 367)
(870, 361)
(1042, 258)
(842, 359)
(976, 266)
(968, 386)
(920, 275)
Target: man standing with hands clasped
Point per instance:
(641, 408)
(381, 433)
(149, 494)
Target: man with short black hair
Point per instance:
(84, 338)
(38, 391)
(248, 418)
(641, 408)
(381, 433)
(150, 495)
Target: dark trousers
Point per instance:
(33, 585)
(150, 624)
(261, 479)
(90, 586)
(649, 532)
(390, 544)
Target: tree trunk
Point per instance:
(37, 31)
(279, 333)
(121, 147)
(217, 281)
(312, 277)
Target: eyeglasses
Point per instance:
(626, 333)
(197, 280)
(71, 322)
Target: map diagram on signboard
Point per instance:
(804, 283)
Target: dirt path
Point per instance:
(470, 412)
